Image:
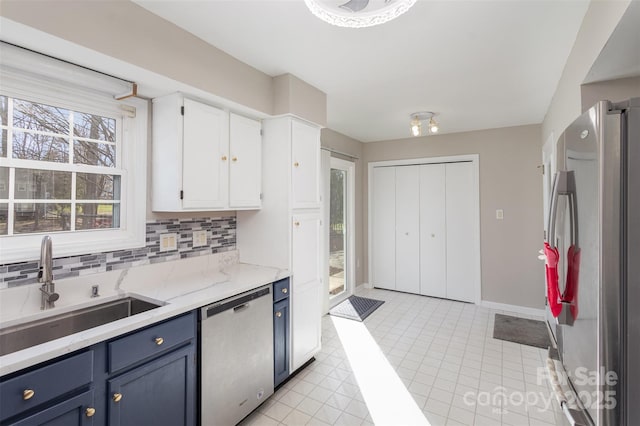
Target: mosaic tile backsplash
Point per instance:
(221, 237)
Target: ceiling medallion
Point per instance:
(358, 13)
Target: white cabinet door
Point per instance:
(408, 229)
(305, 323)
(245, 167)
(433, 237)
(461, 241)
(205, 158)
(383, 228)
(305, 249)
(305, 156)
(306, 293)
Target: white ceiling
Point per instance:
(477, 64)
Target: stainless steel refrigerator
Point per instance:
(593, 265)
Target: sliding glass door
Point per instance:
(340, 230)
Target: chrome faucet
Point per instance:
(45, 276)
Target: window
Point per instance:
(70, 179)
(72, 160)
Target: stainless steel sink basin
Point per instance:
(33, 333)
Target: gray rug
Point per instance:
(356, 308)
(521, 330)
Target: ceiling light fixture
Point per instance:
(358, 13)
(416, 123)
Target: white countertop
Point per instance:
(181, 286)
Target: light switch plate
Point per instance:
(199, 238)
(168, 242)
(500, 214)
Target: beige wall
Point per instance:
(340, 143)
(509, 180)
(611, 90)
(294, 96)
(598, 25)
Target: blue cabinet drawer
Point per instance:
(43, 384)
(281, 289)
(151, 341)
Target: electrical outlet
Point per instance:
(199, 238)
(500, 214)
(168, 242)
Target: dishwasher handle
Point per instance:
(240, 308)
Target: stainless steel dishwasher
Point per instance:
(236, 356)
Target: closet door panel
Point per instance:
(433, 236)
(408, 229)
(383, 227)
(461, 241)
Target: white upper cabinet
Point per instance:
(205, 181)
(305, 154)
(203, 158)
(245, 168)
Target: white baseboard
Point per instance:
(513, 308)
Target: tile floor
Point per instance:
(416, 360)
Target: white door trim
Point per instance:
(475, 160)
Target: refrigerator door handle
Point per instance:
(563, 184)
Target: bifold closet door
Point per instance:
(383, 227)
(408, 229)
(461, 236)
(433, 233)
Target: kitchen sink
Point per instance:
(33, 333)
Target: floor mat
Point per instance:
(521, 330)
(356, 308)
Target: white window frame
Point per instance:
(132, 155)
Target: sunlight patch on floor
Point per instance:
(388, 400)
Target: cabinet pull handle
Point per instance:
(224, 158)
(159, 341)
(296, 223)
(28, 394)
(296, 164)
(117, 397)
(90, 411)
(285, 290)
(234, 159)
(278, 314)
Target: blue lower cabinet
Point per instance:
(75, 411)
(160, 392)
(150, 380)
(281, 340)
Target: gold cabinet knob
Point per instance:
(117, 397)
(296, 164)
(296, 223)
(224, 158)
(234, 159)
(90, 411)
(28, 394)
(285, 290)
(159, 341)
(278, 314)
